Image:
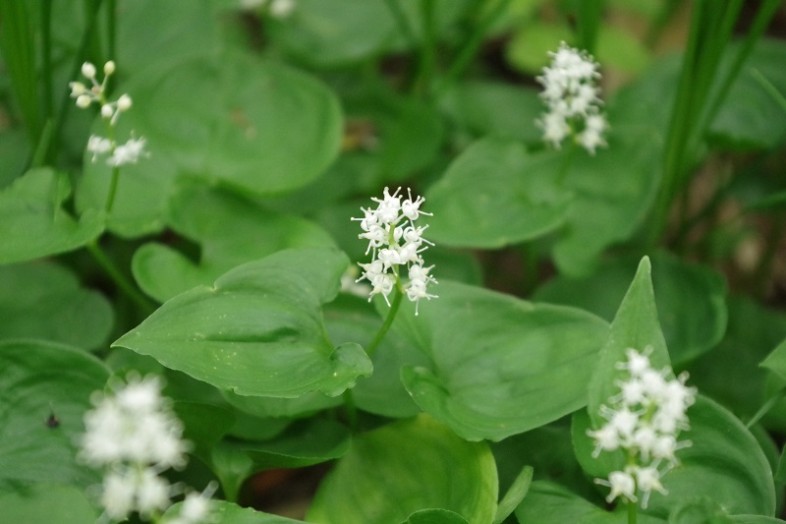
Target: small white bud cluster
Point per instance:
(276, 8)
(133, 435)
(395, 242)
(571, 93)
(118, 154)
(644, 420)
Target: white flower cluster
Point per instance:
(571, 93)
(395, 242)
(276, 8)
(133, 434)
(118, 154)
(644, 420)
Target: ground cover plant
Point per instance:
(392, 261)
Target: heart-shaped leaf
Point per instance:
(499, 365)
(258, 330)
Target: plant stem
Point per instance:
(106, 263)
(394, 307)
(46, 56)
(632, 512)
(766, 408)
(350, 409)
(110, 198)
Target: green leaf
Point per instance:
(750, 116)
(724, 462)
(331, 33)
(435, 516)
(230, 231)
(204, 425)
(232, 466)
(500, 366)
(734, 377)
(44, 390)
(700, 511)
(501, 110)
(228, 513)
(258, 330)
(494, 194)
(47, 504)
(549, 503)
(32, 222)
(267, 407)
(691, 300)
(43, 300)
(350, 319)
(409, 465)
(304, 443)
(635, 326)
(514, 495)
(528, 50)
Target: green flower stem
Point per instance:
(110, 197)
(46, 55)
(111, 26)
(106, 263)
(589, 17)
(632, 512)
(350, 409)
(567, 162)
(394, 307)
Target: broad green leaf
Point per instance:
(635, 326)
(528, 50)
(750, 116)
(32, 222)
(754, 519)
(731, 373)
(406, 466)
(304, 443)
(14, 153)
(44, 391)
(47, 504)
(622, 50)
(43, 300)
(485, 108)
(258, 330)
(499, 365)
(691, 300)
(232, 466)
(224, 512)
(724, 462)
(435, 516)
(549, 503)
(699, 511)
(494, 194)
(230, 231)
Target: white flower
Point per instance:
(89, 70)
(281, 8)
(118, 495)
(395, 243)
(128, 153)
(571, 94)
(644, 420)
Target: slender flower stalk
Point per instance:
(643, 420)
(572, 96)
(134, 436)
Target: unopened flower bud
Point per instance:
(83, 101)
(109, 68)
(124, 103)
(106, 111)
(89, 70)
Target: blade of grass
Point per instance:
(17, 45)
